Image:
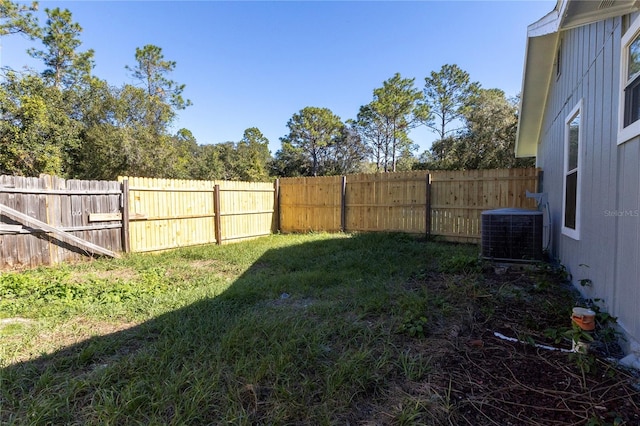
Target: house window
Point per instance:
(559, 59)
(572, 173)
(629, 109)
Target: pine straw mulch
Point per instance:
(481, 379)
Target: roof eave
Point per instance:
(540, 55)
(542, 40)
(577, 16)
(539, 52)
(545, 25)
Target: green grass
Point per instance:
(298, 329)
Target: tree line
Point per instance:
(63, 120)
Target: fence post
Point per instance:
(216, 212)
(124, 206)
(276, 205)
(343, 206)
(428, 207)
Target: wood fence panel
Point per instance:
(459, 197)
(37, 207)
(310, 204)
(246, 211)
(21, 243)
(387, 202)
(59, 207)
(398, 201)
(48, 212)
(8, 242)
(75, 221)
(21, 258)
(169, 213)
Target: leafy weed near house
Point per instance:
(297, 329)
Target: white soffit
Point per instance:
(538, 70)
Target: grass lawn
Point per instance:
(365, 329)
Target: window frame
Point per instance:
(577, 111)
(626, 133)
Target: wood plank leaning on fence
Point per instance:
(65, 236)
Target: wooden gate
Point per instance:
(48, 220)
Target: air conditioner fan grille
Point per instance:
(513, 235)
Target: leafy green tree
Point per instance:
(396, 105)
(446, 95)
(491, 122)
(151, 71)
(425, 161)
(186, 150)
(65, 66)
(406, 158)
(290, 161)
(162, 97)
(488, 138)
(130, 134)
(98, 157)
(70, 123)
(314, 130)
(93, 102)
(16, 18)
(246, 160)
(119, 141)
(446, 154)
(37, 135)
(206, 164)
(148, 148)
(101, 156)
(348, 152)
(375, 133)
(253, 156)
(43, 116)
(228, 157)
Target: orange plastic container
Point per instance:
(584, 318)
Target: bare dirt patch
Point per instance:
(478, 378)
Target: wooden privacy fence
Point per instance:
(47, 220)
(166, 213)
(444, 203)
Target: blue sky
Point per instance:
(255, 64)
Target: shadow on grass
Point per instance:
(307, 335)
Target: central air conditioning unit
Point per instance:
(512, 235)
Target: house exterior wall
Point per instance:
(627, 278)
(607, 251)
